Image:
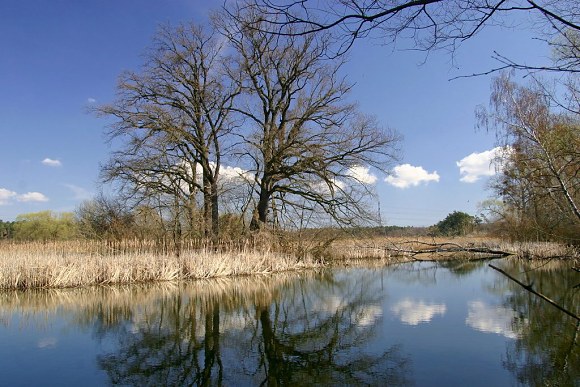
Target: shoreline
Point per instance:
(76, 264)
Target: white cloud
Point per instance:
(6, 195)
(51, 163)
(478, 165)
(407, 175)
(489, 319)
(79, 192)
(91, 100)
(414, 312)
(32, 197)
(233, 173)
(362, 174)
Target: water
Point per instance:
(424, 324)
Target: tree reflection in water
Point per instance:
(315, 327)
(287, 331)
(547, 350)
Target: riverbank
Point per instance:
(87, 263)
(77, 264)
(443, 248)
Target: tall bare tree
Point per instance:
(428, 23)
(172, 117)
(303, 142)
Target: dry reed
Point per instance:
(386, 248)
(83, 263)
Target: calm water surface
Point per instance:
(424, 324)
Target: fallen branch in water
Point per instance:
(447, 247)
(529, 289)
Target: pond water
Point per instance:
(423, 324)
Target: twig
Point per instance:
(529, 288)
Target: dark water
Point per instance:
(424, 324)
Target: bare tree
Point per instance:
(541, 177)
(172, 117)
(302, 142)
(430, 24)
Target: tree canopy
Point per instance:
(45, 225)
(456, 223)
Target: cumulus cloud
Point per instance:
(233, 173)
(413, 312)
(91, 100)
(6, 195)
(51, 163)
(32, 197)
(491, 319)
(407, 175)
(362, 174)
(478, 165)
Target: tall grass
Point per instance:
(82, 263)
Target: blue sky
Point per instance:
(59, 57)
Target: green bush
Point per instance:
(45, 226)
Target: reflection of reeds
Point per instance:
(73, 264)
(112, 304)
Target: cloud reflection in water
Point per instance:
(414, 312)
(491, 319)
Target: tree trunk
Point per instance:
(207, 210)
(215, 228)
(261, 213)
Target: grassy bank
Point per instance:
(85, 263)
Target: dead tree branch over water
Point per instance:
(529, 289)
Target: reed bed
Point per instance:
(541, 250)
(85, 263)
(75, 264)
(393, 249)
